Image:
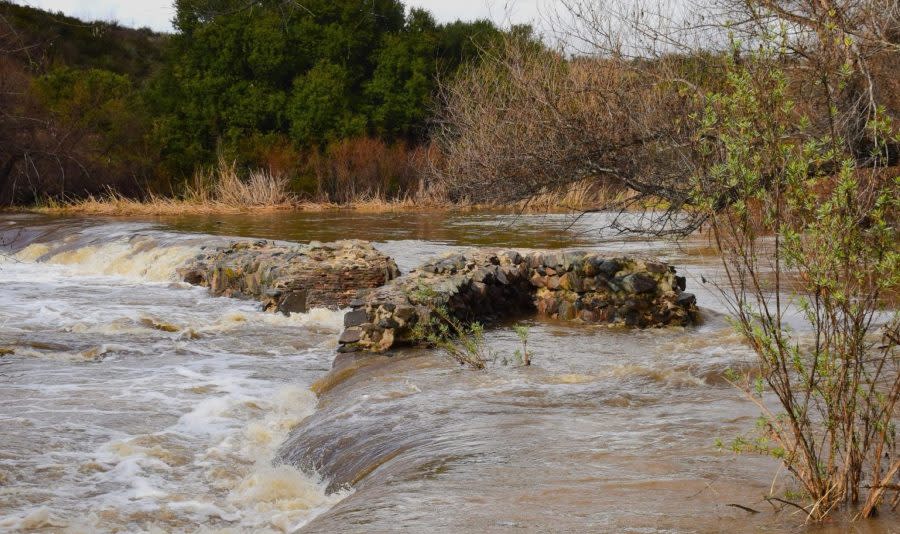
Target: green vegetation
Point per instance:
(522, 355)
(835, 254)
(47, 40)
(463, 342)
(275, 85)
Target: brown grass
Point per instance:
(222, 190)
(217, 190)
(579, 196)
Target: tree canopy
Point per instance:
(314, 73)
(251, 82)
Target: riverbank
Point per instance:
(115, 205)
(223, 192)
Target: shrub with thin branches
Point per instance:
(828, 396)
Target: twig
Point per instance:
(744, 508)
(789, 503)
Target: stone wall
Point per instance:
(291, 277)
(486, 285)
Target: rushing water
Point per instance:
(131, 402)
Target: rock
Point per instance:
(355, 318)
(483, 275)
(639, 283)
(511, 257)
(404, 313)
(686, 300)
(292, 302)
(570, 282)
(487, 286)
(350, 335)
(566, 311)
(571, 260)
(292, 278)
(551, 260)
(609, 268)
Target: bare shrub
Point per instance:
(528, 120)
(363, 168)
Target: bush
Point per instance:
(805, 229)
(364, 168)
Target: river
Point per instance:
(132, 402)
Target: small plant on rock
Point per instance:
(462, 342)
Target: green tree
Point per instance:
(313, 73)
(403, 82)
(98, 122)
(321, 106)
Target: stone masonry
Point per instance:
(490, 285)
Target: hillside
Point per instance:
(337, 98)
(45, 40)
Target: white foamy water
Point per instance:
(133, 403)
(140, 257)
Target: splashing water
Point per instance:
(134, 404)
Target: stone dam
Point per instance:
(484, 285)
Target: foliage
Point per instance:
(51, 40)
(807, 231)
(273, 84)
(522, 333)
(313, 74)
(462, 341)
(97, 104)
(71, 116)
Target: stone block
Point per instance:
(355, 318)
(350, 335)
(639, 283)
(609, 268)
(487, 285)
(293, 302)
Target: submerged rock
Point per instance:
(490, 285)
(292, 278)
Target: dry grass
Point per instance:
(579, 196)
(114, 203)
(216, 190)
(222, 190)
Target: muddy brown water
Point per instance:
(134, 403)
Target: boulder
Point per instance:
(291, 277)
